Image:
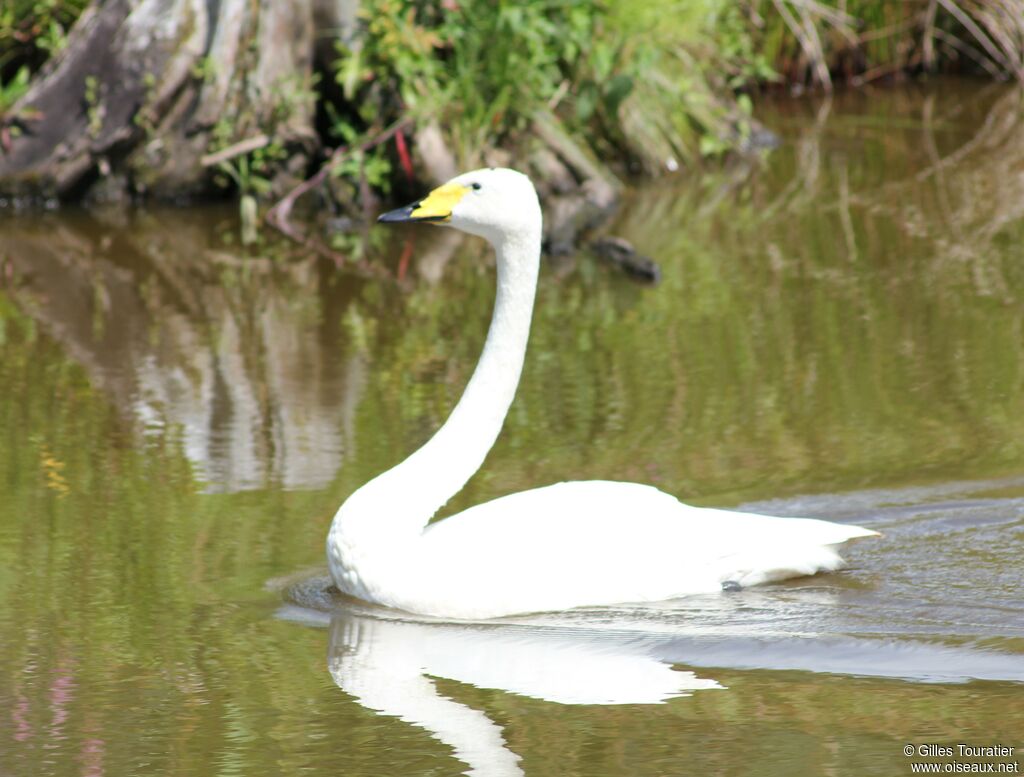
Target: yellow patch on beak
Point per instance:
(438, 205)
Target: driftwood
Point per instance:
(145, 90)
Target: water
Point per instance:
(839, 333)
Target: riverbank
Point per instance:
(338, 105)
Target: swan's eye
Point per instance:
(475, 186)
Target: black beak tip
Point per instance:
(396, 216)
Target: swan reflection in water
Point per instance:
(389, 665)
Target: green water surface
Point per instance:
(839, 332)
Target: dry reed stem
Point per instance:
(995, 29)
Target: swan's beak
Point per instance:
(398, 215)
(436, 207)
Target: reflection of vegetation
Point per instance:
(220, 346)
(135, 604)
(119, 581)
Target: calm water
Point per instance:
(839, 333)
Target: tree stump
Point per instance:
(155, 96)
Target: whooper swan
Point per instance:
(566, 545)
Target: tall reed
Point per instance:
(814, 41)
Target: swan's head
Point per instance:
(493, 203)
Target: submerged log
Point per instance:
(145, 89)
(622, 254)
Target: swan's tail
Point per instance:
(810, 546)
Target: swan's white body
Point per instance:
(566, 545)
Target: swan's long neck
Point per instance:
(397, 505)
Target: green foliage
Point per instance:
(94, 108)
(485, 67)
(399, 54)
(505, 60)
(686, 61)
(12, 90)
(655, 81)
(633, 79)
(32, 30)
(249, 173)
(373, 165)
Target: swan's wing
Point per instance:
(598, 542)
